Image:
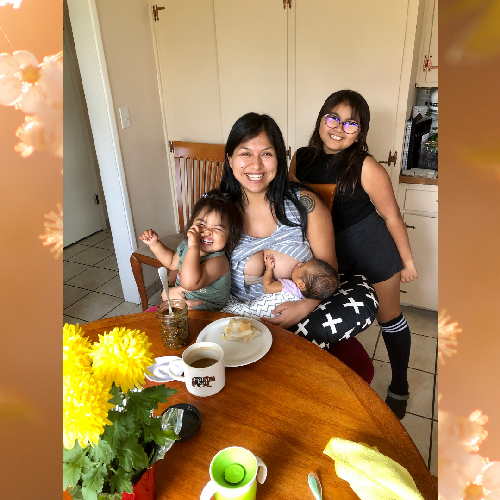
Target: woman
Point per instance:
(367, 243)
(277, 214)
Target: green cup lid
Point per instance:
(234, 473)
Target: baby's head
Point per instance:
(315, 278)
(223, 220)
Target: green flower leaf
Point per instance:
(93, 482)
(121, 481)
(76, 493)
(140, 405)
(154, 432)
(102, 452)
(131, 455)
(75, 461)
(158, 394)
(123, 426)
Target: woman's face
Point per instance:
(254, 164)
(336, 140)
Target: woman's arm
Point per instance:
(376, 183)
(322, 240)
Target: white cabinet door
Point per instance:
(350, 45)
(252, 57)
(423, 235)
(428, 76)
(189, 76)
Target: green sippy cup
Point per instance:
(233, 473)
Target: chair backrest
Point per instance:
(198, 169)
(327, 193)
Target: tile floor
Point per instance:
(92, 291)
(92, 288)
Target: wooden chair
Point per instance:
(198, 169)
(326, 192)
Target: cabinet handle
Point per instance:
(402, 291)
(409, 227)
(429, 64)
(289, 152)
(391, 158)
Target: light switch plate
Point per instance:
(124, 117)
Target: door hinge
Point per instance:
(289, 152)
(428, 64)
(155, 12)
(96, 199)
(391, 159)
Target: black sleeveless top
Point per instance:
(355, 206)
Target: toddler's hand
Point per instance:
(149, 237)
(193, 236)
(269, 261)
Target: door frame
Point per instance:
(93, 69)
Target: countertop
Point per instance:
(406, 179)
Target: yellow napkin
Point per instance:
(372, 475)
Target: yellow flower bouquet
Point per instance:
(110, 436)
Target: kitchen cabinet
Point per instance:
(427, 71)
(419, 206)
(218, 60)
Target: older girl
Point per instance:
(367, 243)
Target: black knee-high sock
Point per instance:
(397, 338)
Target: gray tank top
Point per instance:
(285, 239)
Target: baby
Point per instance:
(314, 279)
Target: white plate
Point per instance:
(238, 353)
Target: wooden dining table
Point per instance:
(284, 408)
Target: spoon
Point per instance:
(163, 272)
(315, 485)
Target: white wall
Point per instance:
(113, 39)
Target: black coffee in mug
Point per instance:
(203, 362)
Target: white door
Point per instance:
(350, 45)
(252, 59)
(82, 215)
(189, 75)
(423, 235)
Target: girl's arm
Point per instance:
(322, 240)
(196, 275)
(165, 255)
(376, 183)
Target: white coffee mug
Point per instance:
(203, 367)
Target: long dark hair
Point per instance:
(348, 170)
(218, 202)
(280, 188)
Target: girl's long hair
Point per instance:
(280, 188)
(348, 170)
(218, 202)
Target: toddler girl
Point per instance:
(215, 226)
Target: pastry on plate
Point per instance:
(240, 330)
